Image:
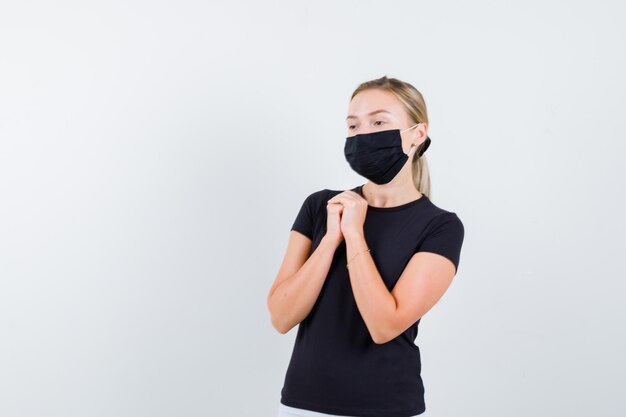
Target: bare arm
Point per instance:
(299, 280)
(387, 314)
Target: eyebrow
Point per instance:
(370, 114)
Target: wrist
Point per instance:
(332, 241)
(354, 236)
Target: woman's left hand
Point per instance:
(353, 214)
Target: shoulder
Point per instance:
(330, 193)
(439, 214)
(449, 219)
(314, 200)
(446, 223)
(317, 196)
(440, 218)
(444, 234)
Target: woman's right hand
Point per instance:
(333, 222)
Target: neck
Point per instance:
(390, 194)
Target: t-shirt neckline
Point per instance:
(359, 190)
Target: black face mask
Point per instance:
(378, 156)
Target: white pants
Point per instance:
(286, 411)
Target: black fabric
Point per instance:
(335, 366)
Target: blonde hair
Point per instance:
(415, 106)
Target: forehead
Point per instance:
(368, 101)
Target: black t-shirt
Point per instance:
(335, 366)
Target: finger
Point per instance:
(344, 201)
(342, 194)
(356, 195)
(341, 197)
(335, 209)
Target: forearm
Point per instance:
(373, 299)
(294, 298)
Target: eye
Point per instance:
(378, 121)
(350, 127)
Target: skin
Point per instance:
(426, 277)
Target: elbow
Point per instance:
(276, 323)
(283, 322)
(380, 337)
(384, 335)
(279, 324)
(387, 330)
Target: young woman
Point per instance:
(364, 265)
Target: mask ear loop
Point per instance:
(409, 128)
(413, 147)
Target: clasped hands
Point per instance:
(346, 215)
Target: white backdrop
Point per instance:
(153, 156)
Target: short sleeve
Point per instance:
(445, 238)
(304, 221)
